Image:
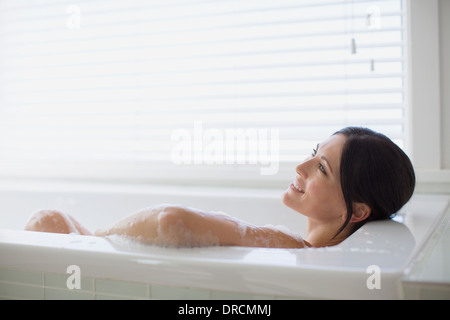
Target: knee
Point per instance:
(172, 226)
(50, 221)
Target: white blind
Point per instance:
(158, 90)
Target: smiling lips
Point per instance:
(295, 186)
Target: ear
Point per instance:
(361, 211)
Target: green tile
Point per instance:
(176, 293)
(20, 291)
(60, 294)
(54, 280)
(21, 276)
(224, 295)
(121, 288)
(100, 296)
(435, 293)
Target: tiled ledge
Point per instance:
(23, 284)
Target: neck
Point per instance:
(322, 235)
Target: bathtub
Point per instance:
(370, 264)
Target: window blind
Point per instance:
(181, 90)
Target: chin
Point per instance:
(285, 197)
(289, 200)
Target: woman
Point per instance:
(354, 176)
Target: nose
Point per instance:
(303, 168)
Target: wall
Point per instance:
(444, 50)
(428, 32)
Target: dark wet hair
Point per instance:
(375, 171)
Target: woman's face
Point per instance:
(316, 190)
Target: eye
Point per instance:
(322, 168)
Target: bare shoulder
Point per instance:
(271, 237)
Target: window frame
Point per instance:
(423, 100)
(423, 128)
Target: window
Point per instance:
(177, 90)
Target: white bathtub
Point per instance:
(368, 265)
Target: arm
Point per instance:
(179, 226)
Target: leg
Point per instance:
(56, 222)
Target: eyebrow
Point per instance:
(325, 159)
